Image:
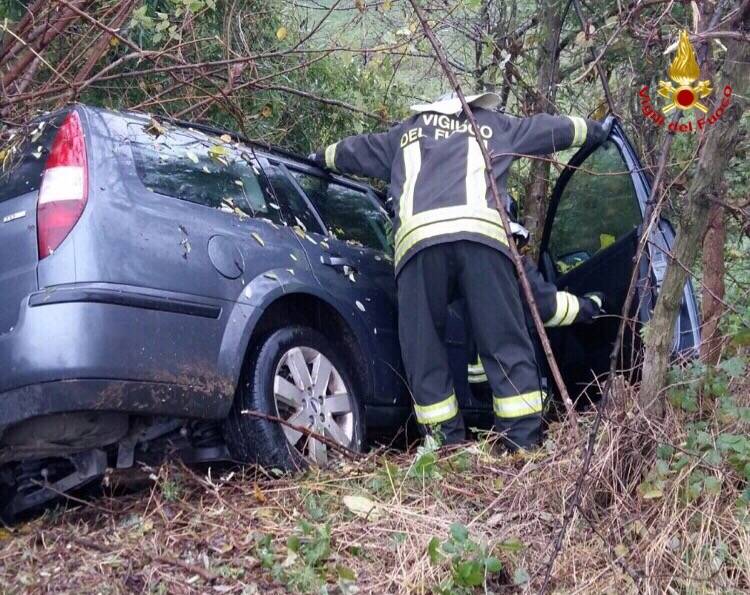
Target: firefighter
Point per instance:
(450, 242)
(556, 308)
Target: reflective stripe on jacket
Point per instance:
(556, 308)
(436, 170)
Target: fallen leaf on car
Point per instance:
(154, 128)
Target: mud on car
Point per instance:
(167, 287)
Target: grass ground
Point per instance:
(425, 521)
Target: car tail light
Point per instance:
(64, 190)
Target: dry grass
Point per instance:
(197, 532)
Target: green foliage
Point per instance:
(303, 565)
(425, 465)
(717, 443)
(387, 476)
(471, 563)
(316, 506)
(171, 489)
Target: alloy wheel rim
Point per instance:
(309, 392)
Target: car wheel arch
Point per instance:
(306, 308)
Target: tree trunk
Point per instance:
(719, 145)
(547, 63)
(713, 284)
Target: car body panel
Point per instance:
(150, 304)
(367, 292)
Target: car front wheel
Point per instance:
(296, 376)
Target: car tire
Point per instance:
(274, 383)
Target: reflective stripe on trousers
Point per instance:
(519, 405)
(476, 372)
(437, 412)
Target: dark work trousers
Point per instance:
(485, 278)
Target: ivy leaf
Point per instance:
(734, 367)
(712, 485)
(469, 573)
(346, 573)
(650, 490)
(293, 543)
(424, 466)
(492, 564)
(433, 550)
(459, 532)
(512, 545)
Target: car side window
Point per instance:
(349, 213)
(288, 194)
(598, 206)
(202, 169)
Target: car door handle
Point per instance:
(338, 262)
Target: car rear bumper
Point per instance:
(152, 398)
(110, 347)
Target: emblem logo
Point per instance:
(684, 71)
(14, 216)
(686, 95)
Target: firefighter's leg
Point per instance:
(492, 292)
(424, 290)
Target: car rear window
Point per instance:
(23, 153)
(201, 169)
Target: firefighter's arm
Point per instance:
(571, 309)
(543, 134)
(560, 308)
(368, 155)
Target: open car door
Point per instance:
(589, 242)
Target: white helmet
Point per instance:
(450, 104)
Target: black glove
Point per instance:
(590, 305)
(596, 133)
(318, 159)
(608, 123)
